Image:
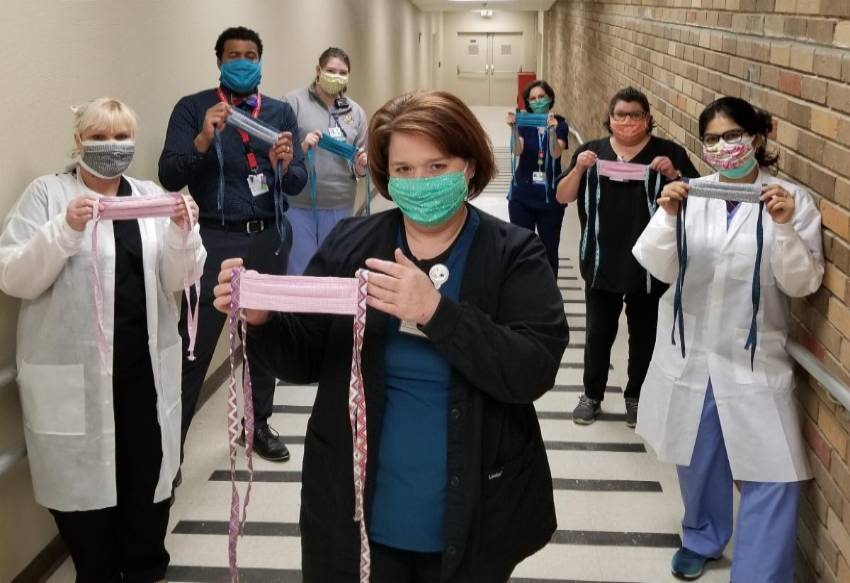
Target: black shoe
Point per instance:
(631, 412)
(267, 444)
(586, 411)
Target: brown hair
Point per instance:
(334, 53)
(442, 117)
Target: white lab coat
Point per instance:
(756, 406)
(66, 394)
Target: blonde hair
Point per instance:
(104, 114)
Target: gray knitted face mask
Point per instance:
(107, 158)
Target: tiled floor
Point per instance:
(618, 507)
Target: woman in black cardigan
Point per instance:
(466, 328)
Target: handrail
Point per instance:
(839, 391)
(10, 458)
(574, 132)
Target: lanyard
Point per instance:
(246, 139)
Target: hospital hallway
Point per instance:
(619, 508)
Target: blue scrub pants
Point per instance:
(765, 542)
(305, 239)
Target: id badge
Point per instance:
(538, 177)
(408, 327)
(336, 133)
(257, 184)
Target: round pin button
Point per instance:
(439, 275)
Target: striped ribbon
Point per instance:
(298, 294)
(123, 208)
(749, 193)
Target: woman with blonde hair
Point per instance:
(103, 448)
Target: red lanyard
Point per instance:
(249, 152)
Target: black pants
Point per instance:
(389, 565)
(258, 252)
(546, 221)
(603, 314)
(125, 542)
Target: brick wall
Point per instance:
(790, 57)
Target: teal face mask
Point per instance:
(541, 105)
(432, 200)
(241, 75)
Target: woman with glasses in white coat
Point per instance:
(721, 412)
(103, 448)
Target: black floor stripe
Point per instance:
(577, 328)
(286, 384)
(307, 409)
(580, 389)
(293, 409)
(578, 365)
(575, 344)
(569, 301)
(561, 537)
(579, 314)
(259, 575)
(567, 278)
(571, 288)
(294, 477)
(568, 415)
(611, 447)
(222, 575)
(617, 539)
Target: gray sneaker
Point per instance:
(631, 412)
(586, 411)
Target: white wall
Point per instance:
(57, 53)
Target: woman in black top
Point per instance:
(495, 334)
(618, 212)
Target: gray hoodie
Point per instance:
(335, 176)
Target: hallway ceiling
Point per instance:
(439, 5)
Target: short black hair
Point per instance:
(543, 85)
(237, 33)
(756, 122)
(629, 95)
(334, 53)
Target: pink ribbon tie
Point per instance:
(296, 294)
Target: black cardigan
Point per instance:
(504, 340)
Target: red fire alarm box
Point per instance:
(522, 81)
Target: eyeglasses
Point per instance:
(730, 137)
(624, 115)
(538, 98)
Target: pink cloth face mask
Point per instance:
(622, 171)
(296, 294)
(113, 208)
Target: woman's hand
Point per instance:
(663, 165)
(80, 211)
(672, 196)
(360, 163)
(401, 289)
(780, 203)
(511, 118)
(552, 121)
(181, 215)
(222, 295)
(586, 159)
(311, 140)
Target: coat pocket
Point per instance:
(170, 374)
(771, 368)
(53, 398)
(518, 507)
